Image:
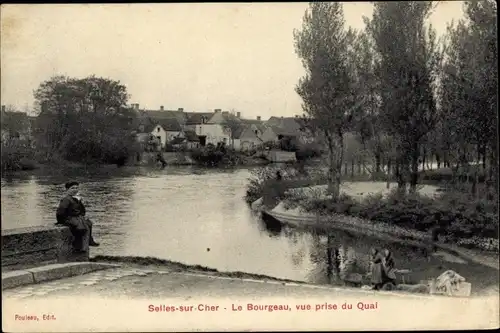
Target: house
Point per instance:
(275, 134)
(210, 127)
(192, 140)
(188, 141)
(246, 138)
(165, 130)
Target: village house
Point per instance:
(246, 138)
(209, 127)
(293, 128)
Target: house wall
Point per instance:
(173, 134)
(214, 132)
(269, 135)
(158, 131)
(247, 141)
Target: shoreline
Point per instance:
(176, 266)
(383, 232)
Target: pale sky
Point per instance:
(195, 56)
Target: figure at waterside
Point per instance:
(71, 212)
(376, 269)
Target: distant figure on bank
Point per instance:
(389, 269)
(160, 159)
(71, 212)
(376, 269)
(278, 175)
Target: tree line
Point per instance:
(84, 120)
(407, 94)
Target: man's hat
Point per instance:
(71, 184)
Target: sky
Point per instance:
(197, 56)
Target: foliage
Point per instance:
(407, 71)
(469, 89)
(260, 179)
(328, 89)
(212, 155)
(85, 120)
(17, 155)
(457, 215)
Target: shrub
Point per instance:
(308, 151)
(17, 155)
(260, 178)
(457, 215)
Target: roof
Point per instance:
(191, 136)
(289, 126)
(283, 131)
(196, 117)
(251, 121)
(180, 116)
(170, 125)
(177, 140)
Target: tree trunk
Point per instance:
(335, 149)
(414, 168)
(388, 173)
(352, 168)
(400, 176)
(438, 161)
(377, 162)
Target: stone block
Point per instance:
(50, 272)
(33, 245)
(16, 278)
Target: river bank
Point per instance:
(302, 220)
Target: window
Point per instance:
(158, 129)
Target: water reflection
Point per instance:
(198, 216)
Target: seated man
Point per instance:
(71, 213)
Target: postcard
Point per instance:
(249, 166)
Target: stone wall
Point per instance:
(33, 246)
(279, 156)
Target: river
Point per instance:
(198, 217)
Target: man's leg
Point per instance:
(92, 242)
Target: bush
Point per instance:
(17, 155)
(457, 215)
(446, 175)
(261, 177)
(308, 151)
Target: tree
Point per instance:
(328, 89)
(409, 64)
(468, 89)
(233, 124)
(85, 119)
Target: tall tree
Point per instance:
(469, 88)
(84, 119)
(328, 89)
(409, 64)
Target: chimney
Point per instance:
(136, 106)
(161, 107)
(238, 114)
(217, 110)
(258, 118)
(180, 109)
